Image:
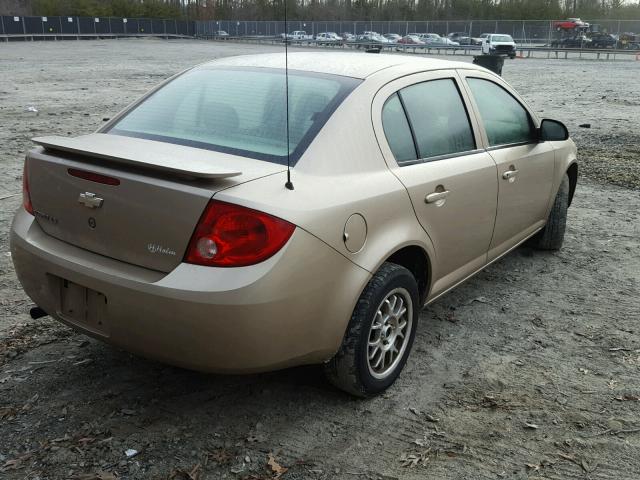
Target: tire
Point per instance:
(350, 369)
(552, 235)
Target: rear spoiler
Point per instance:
(149, 154)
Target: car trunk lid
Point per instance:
(130, 199)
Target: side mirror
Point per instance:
(553, 131)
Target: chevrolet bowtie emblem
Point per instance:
(90, 200)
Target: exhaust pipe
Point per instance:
(37, 312)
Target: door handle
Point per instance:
(436, 196)
(509, 174)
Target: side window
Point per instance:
(438, 117)
(397, 131)
(505, 119)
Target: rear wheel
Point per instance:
(380, 334)
(552, 235)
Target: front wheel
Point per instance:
(552, 235)
(379, 335)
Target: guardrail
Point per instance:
(599, 53)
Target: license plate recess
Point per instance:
(83, 307)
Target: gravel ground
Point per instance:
(529, 370)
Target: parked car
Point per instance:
(348, 37)
(299, 35)
(173, 232)
(499, 44)
(392, 37)
(430, 38)
(603, 40)
(371, 40)
(445, 41)
(464, 39)
(220, 33)
(328, 38)
(579, 41)
(435, 39)
(410, 40)
(460, 37)
(571, 24)
(628, 41)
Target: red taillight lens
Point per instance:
(26, 196)
(229, 235)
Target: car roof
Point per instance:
(356, 65)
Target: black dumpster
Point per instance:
(490, 62)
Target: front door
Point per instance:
(525, 166)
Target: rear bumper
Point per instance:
(290, 310)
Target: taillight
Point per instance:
(229, 235)
(26, 196)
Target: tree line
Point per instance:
(333, 9)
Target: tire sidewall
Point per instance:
(399, 278)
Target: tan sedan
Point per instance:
(172, 232)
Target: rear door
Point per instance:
(525, 166)
(429, 142)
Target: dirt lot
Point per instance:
(529, 370)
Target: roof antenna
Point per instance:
(289, 184)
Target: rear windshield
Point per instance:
(239, 111)
(501, 38)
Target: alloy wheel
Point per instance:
(389, 333)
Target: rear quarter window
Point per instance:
(397, 130)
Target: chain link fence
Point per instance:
(523, 31)
(10, 25)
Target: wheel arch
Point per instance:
(415, 259)
(572, 173)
